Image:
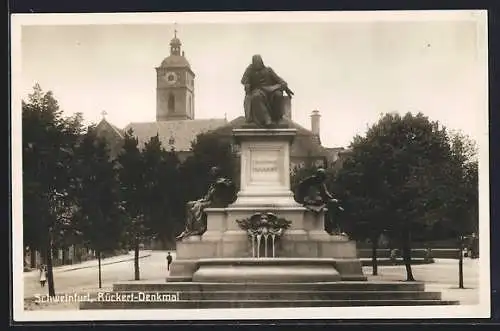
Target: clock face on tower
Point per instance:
(170, 77)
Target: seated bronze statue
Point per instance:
(312, 193)
(263, 94)
(221, 192)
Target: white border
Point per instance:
(482, 310)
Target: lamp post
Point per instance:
(461, 262)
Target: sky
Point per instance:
(351, 70)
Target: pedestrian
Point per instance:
(394, 255)
(169, 260)
(474, 246)
(43, 275)
(428, 255)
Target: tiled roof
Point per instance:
(103, 123)
(119, 131)
(112, 134)
(305, 144)
(177, 61)
(178, 134)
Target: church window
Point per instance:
(190, 106)
(171, 102)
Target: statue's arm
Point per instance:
(204, 198)
(328, 197)
(277, 78)
(325, 192)
(245, 80)
(281, 81)
(207, 195)
(224, 183)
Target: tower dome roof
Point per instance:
(175, 61)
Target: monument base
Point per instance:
(346, 269)
(305, 241)
(265, 270)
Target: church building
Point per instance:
(177, 126)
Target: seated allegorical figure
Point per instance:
(220, 193)
(313, 194)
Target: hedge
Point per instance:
(437, 253)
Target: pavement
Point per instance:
(439, 276)
(84, 276)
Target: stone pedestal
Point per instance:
(265, 167)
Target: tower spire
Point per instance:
(175, 43)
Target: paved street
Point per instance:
(153, 266)
(440, 276)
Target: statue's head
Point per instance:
(257, 62)
(214, 172)
(321, 174)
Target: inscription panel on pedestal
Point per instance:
(265, 167)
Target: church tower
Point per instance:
(175, 86)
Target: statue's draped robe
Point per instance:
(219, 194)
(263, 101)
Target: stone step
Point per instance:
(289, 295)
(211, 304)
(327, 286)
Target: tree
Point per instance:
(131, 173)
(364, 214)
(48, 145)
(100, 217)
(65, 231)
(462, 210)
(394, 180)
(154, 184)
(209, 149)
(463, 195)
(164, 205)
(174, 202)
